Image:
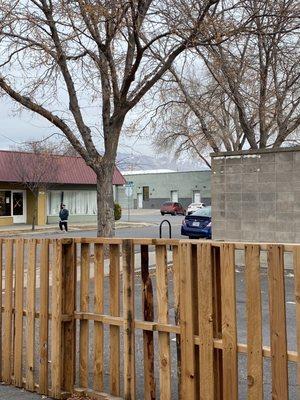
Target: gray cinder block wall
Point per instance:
(256, 195)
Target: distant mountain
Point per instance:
(133, 162)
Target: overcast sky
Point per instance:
(16, 127)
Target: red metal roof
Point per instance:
(69, 170)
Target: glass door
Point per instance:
(19, 207)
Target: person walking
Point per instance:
(63, 218)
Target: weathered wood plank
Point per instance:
(56, 321)
(176, 279)
(30, 334)
(296, 259)
(19, 293)
(229, 326)
(129, 316)
(205, 307)
(148, 337)
(1, 294)
(187, 324)
(98, 325)
(84, 307)
(163, 317)
(44, 317)
(114, 331)
(278, 336)
(7, 318)
(254, 322)
(68, 308)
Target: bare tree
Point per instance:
(34, 167)
(67, 59)
(251, 98)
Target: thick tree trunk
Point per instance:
(105, 202)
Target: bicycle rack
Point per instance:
(170, 229)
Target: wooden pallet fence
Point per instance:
(73, 311)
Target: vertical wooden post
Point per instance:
(8, 304)
(296, 257)
(217, 322)
(163, 317)
(187, 324)
(176, 278)
(31, 290)
(229, 327)
(1, 289)
(44, 316)
(114, 331)
(98, 325)
(278, 335)
(68, 309)
(84, 307)
(56, 321)
(205, 299)
(19, 290)
(254, 322)
(129, 315)
(148, 311)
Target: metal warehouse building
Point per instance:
(152, 188)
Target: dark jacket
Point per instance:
(64, 214)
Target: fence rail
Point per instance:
(97, 316)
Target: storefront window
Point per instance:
(83, 202)
(5, 203)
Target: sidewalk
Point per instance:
(12, 393)
(15, 230)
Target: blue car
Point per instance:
(198, 224)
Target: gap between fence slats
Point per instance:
(278, 336)
(254, 323)
(148, 337)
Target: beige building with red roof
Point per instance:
(54, 180)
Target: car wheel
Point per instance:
(162, 213)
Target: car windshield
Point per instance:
(203, 212)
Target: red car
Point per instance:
(169, 207)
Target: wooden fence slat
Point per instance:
(114, 331)
(278, 336)
(1, 290)
(206, 334)
(44, 317)
(148, 337)
(254, 322)
(176, 289)
(31, 290)
(56, 321)
(229, 326)
(187, 324)
(19, 292)
(7, 320)
(163, 317)
(129, 316)
(68, 308)
(84, 307)
(296, 259)
(98, 308)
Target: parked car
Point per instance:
(171, 207)
(194, 207)
(198, 224)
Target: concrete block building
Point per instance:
(256, 195)
(152, 188)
